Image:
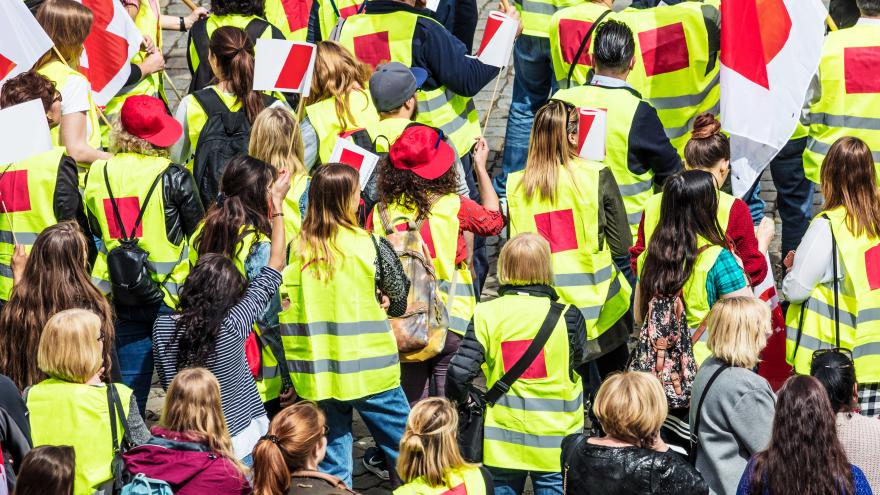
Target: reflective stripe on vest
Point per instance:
(328, 125)
(329, 331)
(525, 428)
(858, 307)
(440, 233)
(465, 481)
(131, 176)
(621, 105)
(585, 274)
(75, 414)
(536, 14)
(652, 213)
(673, 70)
(849, 95)
(290, 17)
(27, 189)
(378, 38)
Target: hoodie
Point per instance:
(186, 464)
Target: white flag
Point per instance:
(498, 37)
(283, 65)
(592, 129)
(110, 45)
(356, 157)
(22, 40)
(24, 131)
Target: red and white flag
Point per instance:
(283, 65)
(112, 42)
(356, 157)
(22, 40)
(773, 366)
(24, 131)
(770, 51)
(498, 37)
(592, 128)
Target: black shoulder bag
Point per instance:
(472, 415)
(695, 441)
(117, 466)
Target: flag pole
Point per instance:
(64, 61)
(170, 82)
(190, 4)
(830, 22)
(492, 100)
(505, 6)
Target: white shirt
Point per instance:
(812, 263)
(608, 82)
(75, 98)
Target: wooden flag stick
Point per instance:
(504, 6)
(190, 4)
(491, 101)
(173, 86)
(64, 61)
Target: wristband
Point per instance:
(279, 214)
(182, 25)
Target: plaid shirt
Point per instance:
(725, 277)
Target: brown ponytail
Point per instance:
(293, 436)
(708, 145)
(234, 55)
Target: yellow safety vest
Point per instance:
(849, 101)
(536, 14)
(696, 296)
(673, 70)
(292, 216)
(440, 233)
(328, 125)
(76, 414)
(217, 21)
(621, 105)
(291, 17)
(147, 21)
(385, 132)
(584, 272)
(330, 11)
(131, 176)
(337, 339)
(525, 428)
(652, 213)
(567, 30)
(28, 192)
(467, 480)
(810, 325)
(378, 38)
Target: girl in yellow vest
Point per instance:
(524, 429)
(71, 406)
(287, 457)
(232, 59)
(843, 241)
(576, 205)
(339, 102)
(46, 469)
(430, 462)
(339, 346)
(67, 23)
(275, 140)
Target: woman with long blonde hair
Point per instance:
(339, 101)
(337, 282)
(576, 205)
(191, 448)
(835, 267)
(275, 140)
(429, 454)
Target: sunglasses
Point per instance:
(836, 350)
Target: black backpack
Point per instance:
(198, 37)
(224, 136)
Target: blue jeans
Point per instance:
(794, 193)
(513, 481)
(533, 84)
(385, 416)
(134, 346)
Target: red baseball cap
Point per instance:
(421, 150)
(146, 117)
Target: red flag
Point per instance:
(112, 42)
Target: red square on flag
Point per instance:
(457, 490)
(295, 67)
(513, 350)
(860, 69)
(14, 192)
(6, 66)
(352, 158)
(558, 228)
(426, 235)
(372, 49)
(872, 266)
(571, 33)
(664, 49)
(129, 208)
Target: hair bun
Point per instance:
(706, 126)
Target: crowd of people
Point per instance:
(275, 292)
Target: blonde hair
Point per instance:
(275, 139)
(738, 330)
(549, 147)
(631, 406)
(525, 260)
(429, 447)
(192, 405)
(68, 24)
(337, 74)
(123, 142)
(70, 346)
(293, 437)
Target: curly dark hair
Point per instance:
(411, 191)
(240, 7)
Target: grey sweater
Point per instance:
(735, 423)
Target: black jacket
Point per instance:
(626, 470)
(465, 365)
(15, 430)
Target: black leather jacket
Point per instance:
(592, 469)
(183, 207)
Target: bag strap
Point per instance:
(143, 208)
(505, 382)
(116, 413)
(210, 101)
(383, 217)
(380, 273)
(255, 29)
(696, 429)
(583, 45)
(200, 39)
